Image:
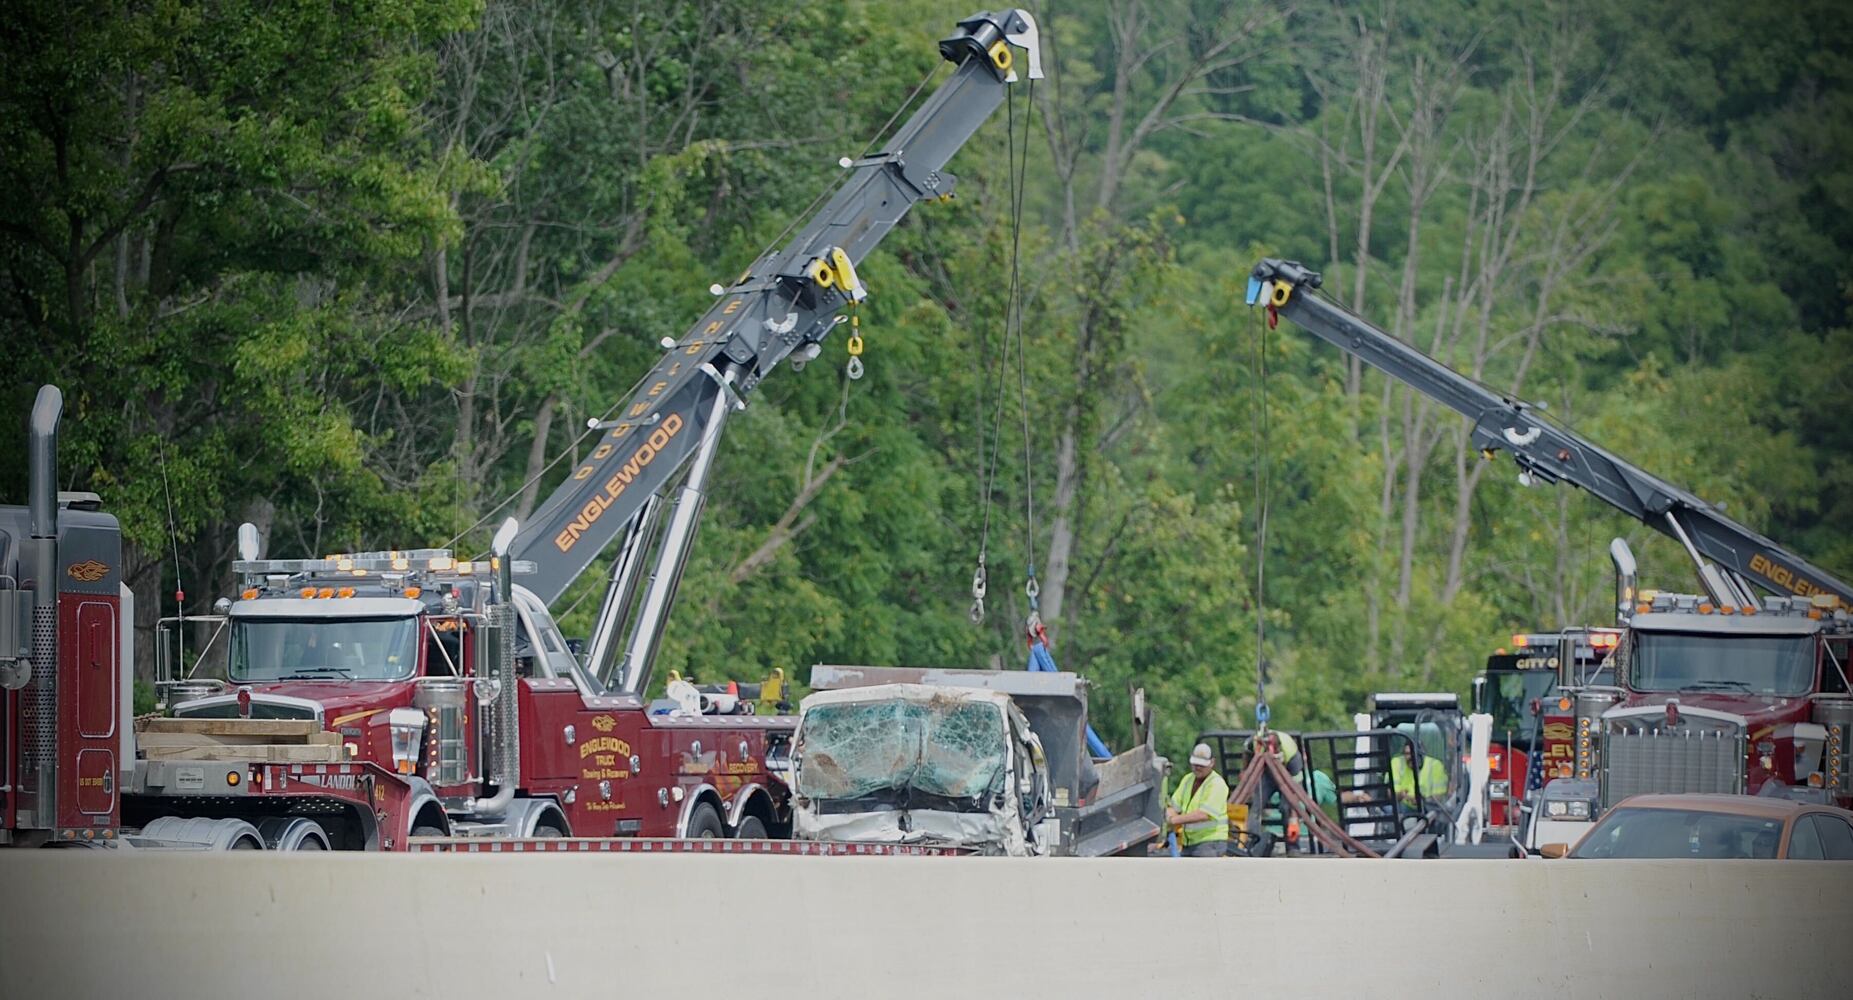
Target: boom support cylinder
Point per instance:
(640, 653)
(621, 595)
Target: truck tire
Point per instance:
(292, 833)
(705, 823)
(427, 831)
(750, 828)
(548, 831)
(212, 834)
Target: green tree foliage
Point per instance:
(363, 276)
(205, 209)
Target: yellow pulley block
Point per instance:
(1282, 292)
(821, 273)
(845, 270)
(1000, 55)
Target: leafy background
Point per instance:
(359, 272)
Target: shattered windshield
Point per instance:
(943, 748)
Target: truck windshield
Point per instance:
(1514, 692)
(1750, 664)
(942, 749)
(277, 649)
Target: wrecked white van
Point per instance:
(957, 758)
(910, 763)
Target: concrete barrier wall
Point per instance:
(88, 924)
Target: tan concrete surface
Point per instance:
(88, 924)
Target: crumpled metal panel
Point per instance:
(991, 832)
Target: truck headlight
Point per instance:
(1499, 789)
(1579, 809)
(408, 729)
(1557, 809)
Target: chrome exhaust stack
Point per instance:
(1625, 578)
(39, 564)
(28, 611)
(501, 707)
(43, 457)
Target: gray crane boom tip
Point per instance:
(1284, 275)
(990, 34)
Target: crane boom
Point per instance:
(786, 303)
(1546, 453)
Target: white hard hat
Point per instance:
(1200, 755)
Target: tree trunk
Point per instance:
(1054, 581)
(537, 455)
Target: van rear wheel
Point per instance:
(750, 828)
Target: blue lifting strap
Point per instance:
(1040, 660)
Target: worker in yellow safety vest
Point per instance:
(1199, 807)
(1431, 778)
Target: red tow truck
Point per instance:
(1725, 691)
(370, 700)
(365, 700)
(1722, 694)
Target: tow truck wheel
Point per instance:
(292, 833)
(546, 830)
(427, 831)
(750, 828)
(705, 824)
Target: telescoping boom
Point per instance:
(784, 305)
(1729, 555)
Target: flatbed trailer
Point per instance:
(671, 845)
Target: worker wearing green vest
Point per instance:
(1405, 778)
(1199, 807)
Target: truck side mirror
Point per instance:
(1553, 851)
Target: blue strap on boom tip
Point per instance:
(1041, 661)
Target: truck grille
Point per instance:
(1639, 758)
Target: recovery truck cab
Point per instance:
(994, 762)
(468, 703)
(1700, 695)
(1713, 698)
